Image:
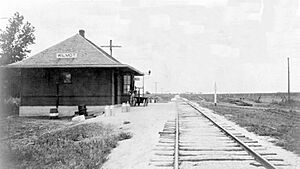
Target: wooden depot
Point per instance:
(71, 73)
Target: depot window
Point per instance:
(66, 77)
(126, 84)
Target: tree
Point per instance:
(15, 39)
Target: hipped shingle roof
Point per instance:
(88, 55)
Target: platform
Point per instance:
(145, 124)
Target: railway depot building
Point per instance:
(71, 73)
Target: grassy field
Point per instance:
(43, 143)
(264, 99)
(270, 117)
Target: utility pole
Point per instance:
(289, 92)
(215, 94)
(143, 85)
(111, 46)
(57, 95)
(148, 73)
(155, 87)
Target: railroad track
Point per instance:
(196, 139)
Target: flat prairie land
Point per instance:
(270, 116)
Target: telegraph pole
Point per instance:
(143, 85)
(215, 94)
(289, 92)
(148, 73)
(111, 46)
(155, 87)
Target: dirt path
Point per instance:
(145, 123)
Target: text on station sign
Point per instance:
(66, 55)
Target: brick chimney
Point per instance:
(81, 32)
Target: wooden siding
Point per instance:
(89, 86)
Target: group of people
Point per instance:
(136, 99)
(133, 99)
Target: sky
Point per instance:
(188, 45)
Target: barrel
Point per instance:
(106, 111)
(82, 110)
(124, 107)
(53, 113)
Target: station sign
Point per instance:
(137, 79)
(66, 55)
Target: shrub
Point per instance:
(10, 106)
(125, 135)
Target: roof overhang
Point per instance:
(123, 66)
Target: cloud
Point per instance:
(224, 51)
(207, 3)
(160, 21)
(189, 28)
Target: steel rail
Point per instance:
(254, 154)
(176, 153)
